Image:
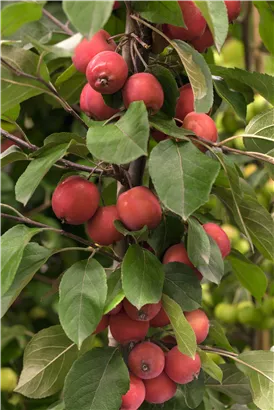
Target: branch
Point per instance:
(49, 86)
(119, 176)
(234, 357)
(58, 23)
(76, 238)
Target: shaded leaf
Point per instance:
(183, 286)
(140, 235)
(115, 293)
(262, 125)
(11, 155)
(167, 12)
(210, 367)
(13, 243)
(47, 360)
(97, 380)
(142, 276)
(185, 336)
(83, 291)
(198, 245)
(218, 337)
(232, 97)
(182, 176)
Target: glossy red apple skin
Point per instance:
(87, 49)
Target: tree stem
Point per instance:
(58, 23)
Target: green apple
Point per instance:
(267, 306)
(226, 312)
(250, 316)
(242, 245)
(258, 106)
(239, 142)
(37, 312)
(8, 379)
(232, 232)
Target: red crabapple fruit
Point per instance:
(185, 102)
(101, 227)
(93, 104)
(125, 330)
(178, 253)
(219, 236)
(138, 207)
(107, 72)
(158, 136)
(146, 360)
(181, 368)
(194, 21)
(116, 310)
(102, 325)
(87, 49)
(160, 320)
(160, 389)
(145, 313)
(199, 322)
(75, 200)
(203, 126)
(135, 396)
(204, 42)
(233, 9)
(144, 87)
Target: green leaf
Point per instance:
(234, 384)
(232, 97)
(168, 12)
(261, 376)
(15, 15)
(44, 159)
(115, 293)
(216, 18)
(266, 27)
(169, 85)
(142, 276)
(10, 333)
(14, 88)
(139, 236)
(182, 286)
(260, 83)
(218, 337)
(88, 17)
(168, 232)
(263, 125)
(13, 243)
(124, 141)
(66, 75)
(71, 89)
(60, 405)
(182, 175)
(214, 270)
(12, 114)
(168, 126)
(97, 380)
(185, 336)
(83, 291)
(47, 360)
(251, 276)
(76, 143)
(234, 183)
(11, 155)
(34, 256)
(198, 73)
(210, 367)
(193, 392)
(198, 245)
(257, 220)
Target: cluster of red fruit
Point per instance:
(153, 373)
(76, 201)
(197, 32)
(107, 73)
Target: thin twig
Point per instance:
(139, 55)
(122, 176)
(234, 357)
(58, 23)
(76, 238)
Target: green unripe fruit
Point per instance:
(244, 304)
(232, 232)
(268, 323)
(249, 169)
(262, 200)
(250, 316)
(226, 312)
(216, 358)
(37, 312)
(267, 306)
(242, 245)
(268, 188)
(239, 142)
(8, 379)
(231, 122)
(206, 295)
(268, 267)
(256, 107)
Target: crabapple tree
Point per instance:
(137, 238)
